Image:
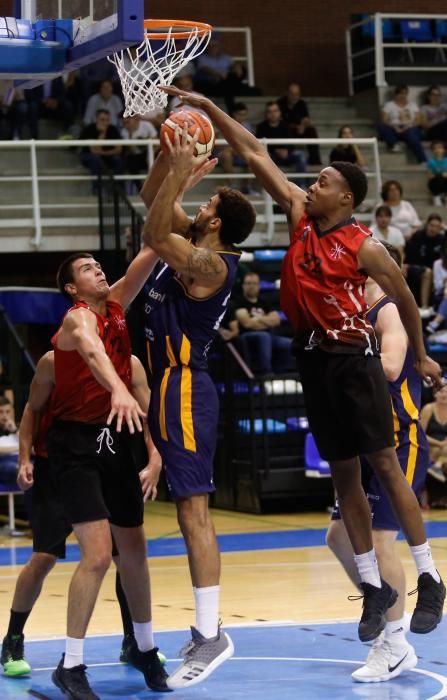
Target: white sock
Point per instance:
(207, 610)
(144, 635)
(423, 560)
(395, 631)
(368, 568)
(74, 652)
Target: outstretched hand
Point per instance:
(203, 168)
(188, 98)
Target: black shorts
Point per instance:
(48, 520)
(347, 403)
(95, 473)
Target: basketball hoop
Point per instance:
(167, 47)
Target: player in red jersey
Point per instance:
(49, 523)
(91, 459)
(322, 292)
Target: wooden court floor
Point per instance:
(259, 583)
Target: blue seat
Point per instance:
(416, 30)
(388, 33)
(315, 466)
(269, 255)
(441, 29)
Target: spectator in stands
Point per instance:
(50, 101)
(421, 251)
(135, 157)
(440, 277)
(101, 159)
(383, 231)
(437, 173)
(295, 113)
(237, 84)
(7, 420)
(213, 67)
(104, 99)
(401, 121)
(350, 152)
(9, 444)
(434, 422)
(404, 214)
(13, 113)
(228, 159)
(434, 115)
(182, 82)
(274, 127)
(265, 351)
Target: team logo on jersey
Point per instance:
(157, 296)
(120, 322)
(337, 251)
(312, 263)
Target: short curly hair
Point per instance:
(236, 214)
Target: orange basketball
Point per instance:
(194, 121)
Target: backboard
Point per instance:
(90, 29)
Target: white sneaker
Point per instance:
(426, 311)
(385, 662)
(201, 657)
(397, 148)
(437, 472)
(437, 201)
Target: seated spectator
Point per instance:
(401, 121)
(434, 422)
(383, 231)
(135, 157)
(50, 101)
(437, 173)
(213, 67)
(175, 104)
(434, 115)
(274, 127)
(229, 159)
(421, 251)
(101, 159)
(265, 351)
(237, 84)
(13, 113)
(9, 444)
(404, 214)
(7, 421)
(440, 277)
(104, 99)
(349, 153)
(295, 113)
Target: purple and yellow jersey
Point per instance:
(180, 328)
(405, 391)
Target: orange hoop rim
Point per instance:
(150, 24)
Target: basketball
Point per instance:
(194, 120)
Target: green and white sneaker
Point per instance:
(12, 656)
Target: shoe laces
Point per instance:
(79, 677)
(428, 599)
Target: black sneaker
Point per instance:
(73, 682)
(428, 611)
(13, 656)
(127, 642)
(150, 666)
(376, 602)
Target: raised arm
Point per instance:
(377, 263)
(289, 197)
(202, 265)
(126, 289)
(79, 332)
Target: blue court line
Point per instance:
(240, 542)
(271, 662)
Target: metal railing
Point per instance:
(264, 204)
(371, 64)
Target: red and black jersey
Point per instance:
(322, 289)
(77, 395)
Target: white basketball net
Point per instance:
(153, 63)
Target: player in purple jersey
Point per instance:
(390, 654)
(186, 299)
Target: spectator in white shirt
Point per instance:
(383, 231)
(405, 216)
(135, 158)
(104, 99)
(401, 121)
